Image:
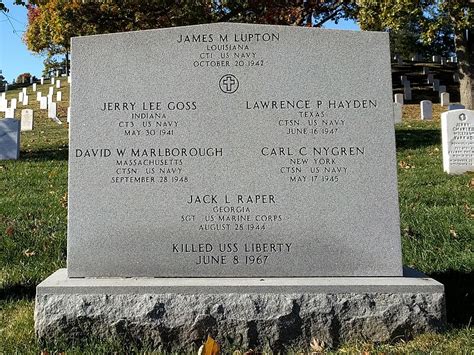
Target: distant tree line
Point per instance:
(423, 27)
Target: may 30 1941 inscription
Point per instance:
(232, 150)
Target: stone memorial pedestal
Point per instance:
(246, 195)
(254, 312)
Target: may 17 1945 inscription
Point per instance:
(232, 150)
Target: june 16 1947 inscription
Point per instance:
(232, 150)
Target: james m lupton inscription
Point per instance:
(232, 150)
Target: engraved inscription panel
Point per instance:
(232, 150)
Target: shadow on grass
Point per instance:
(45, 154)
(417, 138)
(17, 292)
(459, 296)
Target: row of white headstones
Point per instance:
(434, 59)
(441, 89)
(457, 132)
(46, 103)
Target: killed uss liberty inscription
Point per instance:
(232, 150)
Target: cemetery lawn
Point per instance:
(437, 229)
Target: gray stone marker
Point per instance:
(26, 120)
(9, 139)
(215, 200)
(441, 88)
(426, 107)
(444, 98)
(407, 90)
(435, 84)
(430, 78)
(457, 132)
(34, 87)
(59, 96)
(227, 168)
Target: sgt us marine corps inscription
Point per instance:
(232, 150)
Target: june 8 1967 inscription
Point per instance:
(232, 150)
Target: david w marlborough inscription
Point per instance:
(232, 150)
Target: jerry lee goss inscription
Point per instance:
(232, 150)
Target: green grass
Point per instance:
(437, 230)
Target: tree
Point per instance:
(438, 21)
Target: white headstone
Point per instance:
(456, 77)
(42, 81)
(27, 120)
(58, 84)
(50, 90)
(59, 96)
(31, 80)
(13, 103)
(6, 87)
(397, 112)
(52, 110)
(444, 98)
(426, 110)
(456, 107)
(426, 70)
(25, 100)
(403, 78)
(34, 87)
(57, 72)
(38, 96)
(50, 99)
(20, 96)
(68, 114)
(3, 104)
(457, 132)
(24, 91)
(443, 61)
(9, 138)
(69, 79)
(52, 80)
(10, 112)
(442, 88)
(43, 103)
(430, 79)
(398, 98)
(435, 84)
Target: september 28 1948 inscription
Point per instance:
(232, 150)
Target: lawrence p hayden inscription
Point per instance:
(232, 153)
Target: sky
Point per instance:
(15, 58)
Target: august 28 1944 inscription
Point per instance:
(232, 150)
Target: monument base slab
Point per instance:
(177, 314)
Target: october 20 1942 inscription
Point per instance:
(232, 150)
